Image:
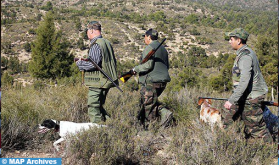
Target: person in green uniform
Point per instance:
(101, 52)
(249, 89)
(153, 78)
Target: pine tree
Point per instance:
(50, 57)
(267, 52)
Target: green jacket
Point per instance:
(247, 78)
(96, 78)
(155, 70)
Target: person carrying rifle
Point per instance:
(153, 78)
(101, 52)
(249, 90)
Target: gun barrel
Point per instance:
(213, 98)
(267, 103)
(101, 70)
(270, 103)
(126, 76)
(152, 52)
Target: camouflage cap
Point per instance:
(238, 32)
(151, 32)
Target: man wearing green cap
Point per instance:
(153, 78)
(101, 52)
(249, 89)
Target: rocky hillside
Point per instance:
(123, 22)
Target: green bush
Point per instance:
(14, 65)
(81, 44)
(192, 18)
(204, 40)
(194, 31)
(27, 47)
(114, 40)
(7, 80)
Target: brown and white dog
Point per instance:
(209, 114)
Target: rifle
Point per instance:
(212, 98)
(125, 77)
(267, 103)
(100, 69)
(82, 77)
(147, 57)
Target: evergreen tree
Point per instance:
(48, 6)
(267, 52)
(14, 65)
(7, 80)
(223, 81)
(50, 57)
(80, 44)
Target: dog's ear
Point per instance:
(48, 123)
(200, 101)
(209, 101)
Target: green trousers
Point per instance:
(151, 109)
(252, 114)
(96, 100)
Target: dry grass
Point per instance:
(124, 141)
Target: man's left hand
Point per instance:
(227, 105)
(78, 61)
(133, 71)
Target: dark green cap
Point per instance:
(238, 32)
(151, 32)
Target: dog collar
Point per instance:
(57, 127)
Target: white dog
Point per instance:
(64, 128)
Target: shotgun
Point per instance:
(125, 77)
(82, 77)
(267, 103)
(270, 103)
(147, 57)
(100, 69)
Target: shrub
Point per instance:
(7, 80)
(81, 44)
(27, 47)
(194, 31)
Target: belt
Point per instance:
(159, 85)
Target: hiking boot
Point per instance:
(166, 117)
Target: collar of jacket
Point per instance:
(95, 38)
(153, 41)
(240, 49)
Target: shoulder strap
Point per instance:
(243, 53)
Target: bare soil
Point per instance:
(28, 154)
